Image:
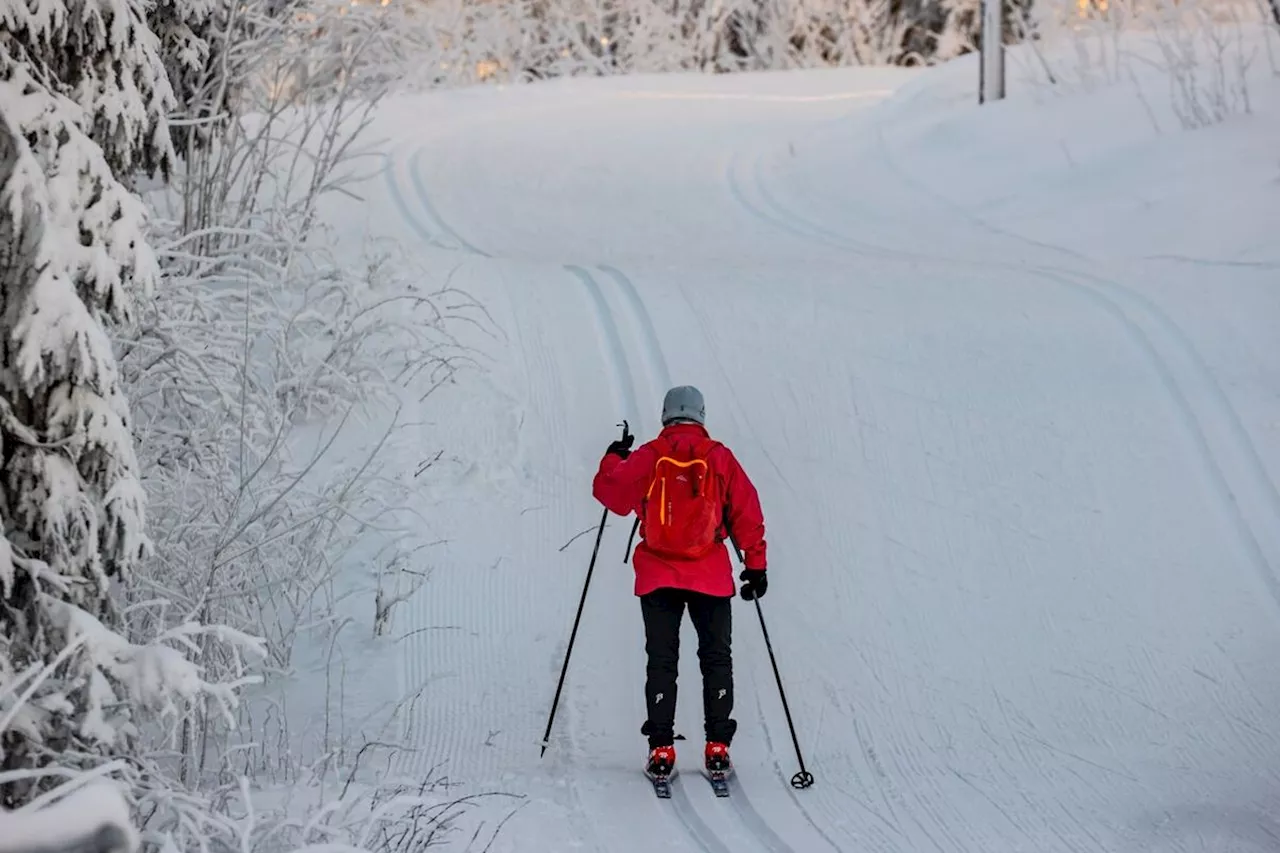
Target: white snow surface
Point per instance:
(1007, 380)
(92, 819)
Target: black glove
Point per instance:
(622, 447)
(754, 584)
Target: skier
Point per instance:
(689, 493)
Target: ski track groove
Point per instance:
(425, 659)
(692, 821)
(658, 370)
(546, 391)
(610, 342)
(737, 191)
(424, 198)
(624, 388)
(742, 418)
(752, 820)
(545, 395)
(1107, 296)
(624, 384)
(657, 363)
(1177, 337)
(1205, 411)
(746, 808)
(781, 217)
(402, 204)
(747, 425)
(1175, 340)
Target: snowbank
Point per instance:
(94, 819)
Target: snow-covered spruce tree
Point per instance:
(83, 97)
(70, 242)
(192, 35)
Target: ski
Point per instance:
(661, 784)
(719, 780)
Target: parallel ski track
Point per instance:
(546, 394)
(661, 377)
(424, 198)
(402, 204)
(627, 400)
(536, 352)
(739, 800)
(746, 422)
(610, 343)
(1183, 370)
(752, 821)
(742, 803)
(692, 822)
(656, 361)
(1234, 465)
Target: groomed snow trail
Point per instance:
(1021, 507)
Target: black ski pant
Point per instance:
(712, 617)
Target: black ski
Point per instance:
(661, 783)
(719, 780)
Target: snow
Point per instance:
(93, 819)
(1005, 378)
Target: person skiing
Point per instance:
(689, 493)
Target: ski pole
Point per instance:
(631, 539)
(555, 703)
(804, 778)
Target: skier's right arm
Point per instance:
(745, 518)
(620, 483)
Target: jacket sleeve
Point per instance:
(620, 483)
(743, 515)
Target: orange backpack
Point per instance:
(683, 509)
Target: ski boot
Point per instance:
(718, 767)
(662, 761)
(660, 768)
(717, 758)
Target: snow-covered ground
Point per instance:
(1008, 381)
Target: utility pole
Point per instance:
(991, 60)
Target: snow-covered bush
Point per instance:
(248, 354)
(267, 371)
(1205, 51)
(534, 39)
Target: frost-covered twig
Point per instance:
(250, 366)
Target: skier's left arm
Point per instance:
(620, 482)
(743, 515)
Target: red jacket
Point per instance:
(621, 484)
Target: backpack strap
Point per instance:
(703, 450)
(663, 447)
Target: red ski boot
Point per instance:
(717, 758)
(662, 762)
(719, 767)
(660, 769)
